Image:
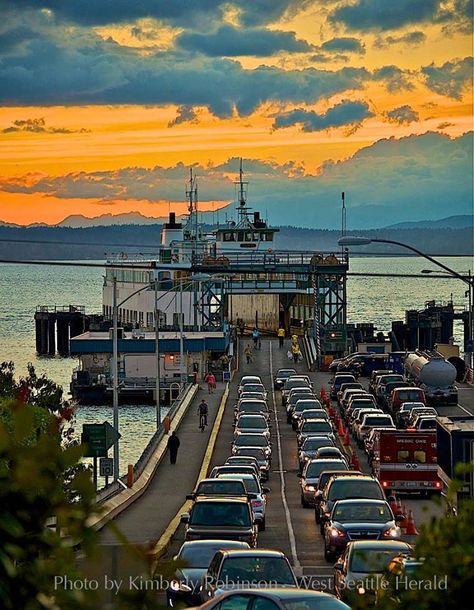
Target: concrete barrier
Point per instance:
(119, 502)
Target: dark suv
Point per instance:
(344, 487)
(221, 518)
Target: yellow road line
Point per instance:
(160, 547)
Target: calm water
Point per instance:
(22, 288)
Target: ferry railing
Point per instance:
(276, 258)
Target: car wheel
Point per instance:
(328, 555)
(304, 504)
(293, 425)
(261, 527)
(317, 517)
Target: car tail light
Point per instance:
(384, 483)
(257, 503)
(438, 484)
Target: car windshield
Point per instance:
(355, 489)
(316, 426)
(389, 378)
(254, 422)
(253, 452)
(262, 569)
(314, 468)
(254, 407)
(306, 602)
(254, 387)
(285, 373)
(303, 405)
(256, 440)
(220, 514)
(340, 380)
(373, 560)
(361, 404)
(409, 395)
(378, 421)
(313, 444)
(294, 383)
(373, 513)
(220, 487)
(250, 484)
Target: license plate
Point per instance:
(411, 483)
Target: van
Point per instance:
(401, 395)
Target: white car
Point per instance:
(372, 420)
(248, 379)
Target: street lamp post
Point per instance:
(157, 353)
(469, 280)
(115, 378)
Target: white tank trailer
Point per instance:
(434, 375)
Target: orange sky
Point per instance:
(111, 137)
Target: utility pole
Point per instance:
(181, 338)
(157, 350)
(115, 379)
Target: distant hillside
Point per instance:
(451, 222)
(105, 220)
(95, 242)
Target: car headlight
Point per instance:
(309, 487)
(393, 532)
(336, 532)
(176, 585)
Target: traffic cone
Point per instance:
(411, 527)
(322, 393)
(399, 509)
(327, 402)
(340, 427)
(404, 524)
(331, 412)
(355, 461)
(347, 440)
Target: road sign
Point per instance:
(106, 467)
(98, 438)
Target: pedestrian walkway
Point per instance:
(146, 519)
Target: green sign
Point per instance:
(98, 438)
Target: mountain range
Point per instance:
(77, 221)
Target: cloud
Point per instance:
(390, 181)
(403, 115)
(385, 14)
(186, 114)
(409, 39)
(444, 125)
(38, 126)
(229, 41)
(84, 69)
(345, 45)
(13, 38)
(345, 113)
(186, 13)
(451, 79)
(323, 58)
(395, 78)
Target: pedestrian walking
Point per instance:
(211, 382)
(281, 336)
(295, 351)
(173, 446)
(203, 410)
(248, 353)
(255, 337)
(241, 325)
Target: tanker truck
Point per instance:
(434, 375)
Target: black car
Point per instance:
(194, 558)
(281, 376)
(362, 519)
(224, 518)
(338, 381)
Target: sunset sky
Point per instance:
(107, 103)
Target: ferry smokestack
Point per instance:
(256, 216)
(172, 220)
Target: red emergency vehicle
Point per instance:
(405, 460)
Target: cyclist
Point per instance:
(203, 410)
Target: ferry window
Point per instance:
(419, 457)
(403, 456)
(256, 236)
(269, 236)
(240, 236)
(248, 236)
(229, 237)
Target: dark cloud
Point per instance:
(385, 14)
(184, 13)
(450, 79)
(328, 58)
(38, 126)
(88, 70)
(344, 45)
(445, 125)
(12, 39)
(380, 180)
(403, 115)
(395, 78)
(229, 41)
(186, 114)
(345, 113)
(408, 39)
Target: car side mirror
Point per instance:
(184, 518)
(266, 490)
(190, 496)
(338, 566)
(399, 518)
(299, 475)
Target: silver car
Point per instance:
(313, 427)
(310, 475)
(258, 499)
(252, 423)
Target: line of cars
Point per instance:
(350, 507)
(219, 563)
